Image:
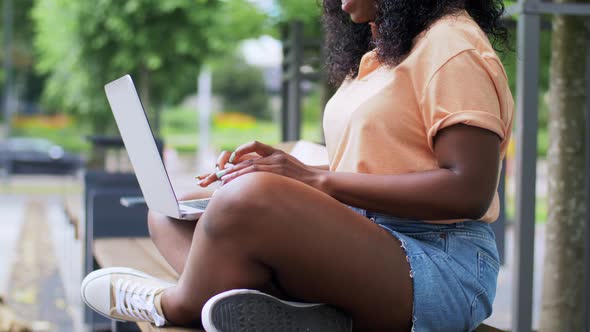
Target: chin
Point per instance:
(359, 19)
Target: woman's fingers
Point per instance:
(225, 162)
(270, 160)
(251, 168)
(208, 178)
(202, 176)
(222, 160)
(261, 149)
(274, 163)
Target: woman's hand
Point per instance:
(259, 157)
(221, 167)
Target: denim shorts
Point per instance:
(454, 269)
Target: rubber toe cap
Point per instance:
(96, 292)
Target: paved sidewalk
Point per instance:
(36, 291)
(11, 220)
(30, 272)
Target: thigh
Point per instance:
(173, 237)
(320, 250)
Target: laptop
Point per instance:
(142, 150)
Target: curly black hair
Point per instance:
(397, 23)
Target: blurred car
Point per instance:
(25, 155)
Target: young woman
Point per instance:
(392, 235)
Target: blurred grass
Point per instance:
(228, 138)
(180, 131)
(71, 138)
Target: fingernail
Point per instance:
(221, 173)
(232, 157)
(198, 177)
(228, 165)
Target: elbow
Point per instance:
(476, 207)
(476, 212)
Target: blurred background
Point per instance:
(212, 74)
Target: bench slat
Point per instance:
(147, 327)
(140, 254)
(137, 253)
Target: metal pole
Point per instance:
(529, 28)
(293, 118)
(8, 102)
(287, 48)
(587, 173)
(499, 226)
(206, 157)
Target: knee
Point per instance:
(235, 208)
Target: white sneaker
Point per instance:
(125, 294)
(251, 310)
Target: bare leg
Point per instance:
(173, 237)
(263, 227)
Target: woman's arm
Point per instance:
(463, 186)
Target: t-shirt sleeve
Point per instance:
(465, 90)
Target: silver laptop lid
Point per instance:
(141, 146)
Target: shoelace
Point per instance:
(137, 301)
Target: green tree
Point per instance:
(26, 82)
(306, 11)
(241, 87)
(84, 44)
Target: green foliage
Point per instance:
(179, 119)
(27, 83)
(241, 87)
(71, 138)
(312, 105)
(84, 44)
(306, 11)
(21, 35)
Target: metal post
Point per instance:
(8, 102)
(587, 173)
(293, 112)
(205, 157)
(499, 226)
(529, 28)
(284, 82)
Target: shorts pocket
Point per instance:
(487, 275)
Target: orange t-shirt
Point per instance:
(384, 120)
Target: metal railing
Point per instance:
(528, 34)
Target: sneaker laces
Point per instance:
(137, 301)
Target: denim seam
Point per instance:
(472, 235)
(474, 302)
(482, 256)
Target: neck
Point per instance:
(373, 30)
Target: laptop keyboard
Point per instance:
(200, 204)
